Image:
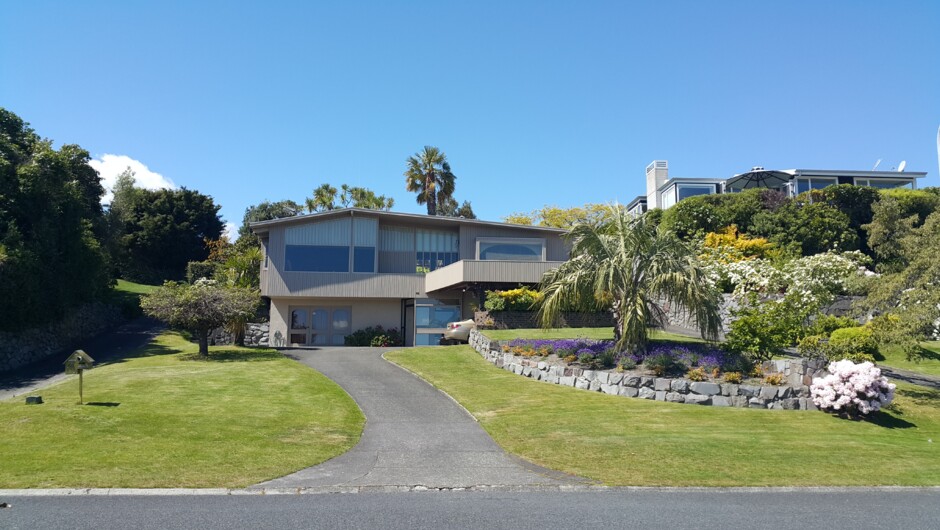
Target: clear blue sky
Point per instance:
(534, 102)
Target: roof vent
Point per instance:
(757, 168)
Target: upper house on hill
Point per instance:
(664, 192)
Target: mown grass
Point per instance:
(166, 418)
(622, 441)
(929, 365)
(126, 295)
(575, 333)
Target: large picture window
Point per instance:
(511, 249)
(317, 258)
(688, 190)
(364, 259)
(815, 183)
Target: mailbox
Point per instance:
(77, 362)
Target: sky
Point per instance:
(534, 103)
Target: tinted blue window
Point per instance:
(364, 259)
(511, 251)
(428, 339)
(308, 258)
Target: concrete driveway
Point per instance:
(414, 436)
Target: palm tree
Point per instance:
(429, 175)
(631, 265)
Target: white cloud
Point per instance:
(231, 230)
(110, 166)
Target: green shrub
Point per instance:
(200, 269)
(858, 338)
(586, 359)
(660, 363)
(606, 359)
(826, 324)
(374, 336)
(813, 346)
(627, 363)
(855, 343)
(521, 299)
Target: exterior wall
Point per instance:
(365, 313)
(555, 247)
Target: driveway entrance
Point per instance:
(415, 435)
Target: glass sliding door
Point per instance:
(319, 326)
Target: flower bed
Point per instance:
(777, 385)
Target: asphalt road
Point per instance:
(537, 510)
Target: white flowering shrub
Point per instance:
(852, 389)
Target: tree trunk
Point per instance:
(431, 194)
(204, 342)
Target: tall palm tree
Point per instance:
(631, 265)
(429, 175)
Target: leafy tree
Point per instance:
(163, 230)
(200, 307)
(889, 226)
(557, 217)
(429, 176)
(449, 208)
(634, 267)
(265, 211)
(909, 298)
(51, 259)
(325, 197)
(806, 227)
(855, 202)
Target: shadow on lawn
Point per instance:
(890, 421)
(234, 356)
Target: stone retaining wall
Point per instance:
(794, 396)
(256, 334)
(25, 347)
(841, 306)
(527, 319)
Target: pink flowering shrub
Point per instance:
(852, 389)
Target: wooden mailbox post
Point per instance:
(77, 363)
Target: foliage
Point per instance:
(264, 211)
(856, 203)
(560, 347)
(633, 266)
(852, 389)
(823, 324)
(557, 217)
(51, 228)
(200, 307)
(325, 196)
(806, 226)
(760, 331)
(696, 374)
(736, 246)
(660, 363)
(909, 298)
(775, 379)
(733, 377)
(158, 232)
(858, 339)
(429, 175)
(447, 207)
(626, 363)
(520, 299)
(200, 269)
(374, 336)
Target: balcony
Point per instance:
(490, 271)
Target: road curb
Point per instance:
(563, 488)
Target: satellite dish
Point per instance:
(878, 163)
(902, 165)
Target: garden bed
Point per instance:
(781, 384)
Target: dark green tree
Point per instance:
(51, 219)
(449, 208)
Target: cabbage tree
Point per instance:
(634, 267)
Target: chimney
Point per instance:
(656, 175)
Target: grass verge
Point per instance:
(126, 295)
(575, 333)
(621, 441)
(929, 365)
(164, 418)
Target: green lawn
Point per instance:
(126, 295)
(165, 418)
(623, 441)
(574, 333)
(930, 365)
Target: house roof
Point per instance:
(264, 226)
